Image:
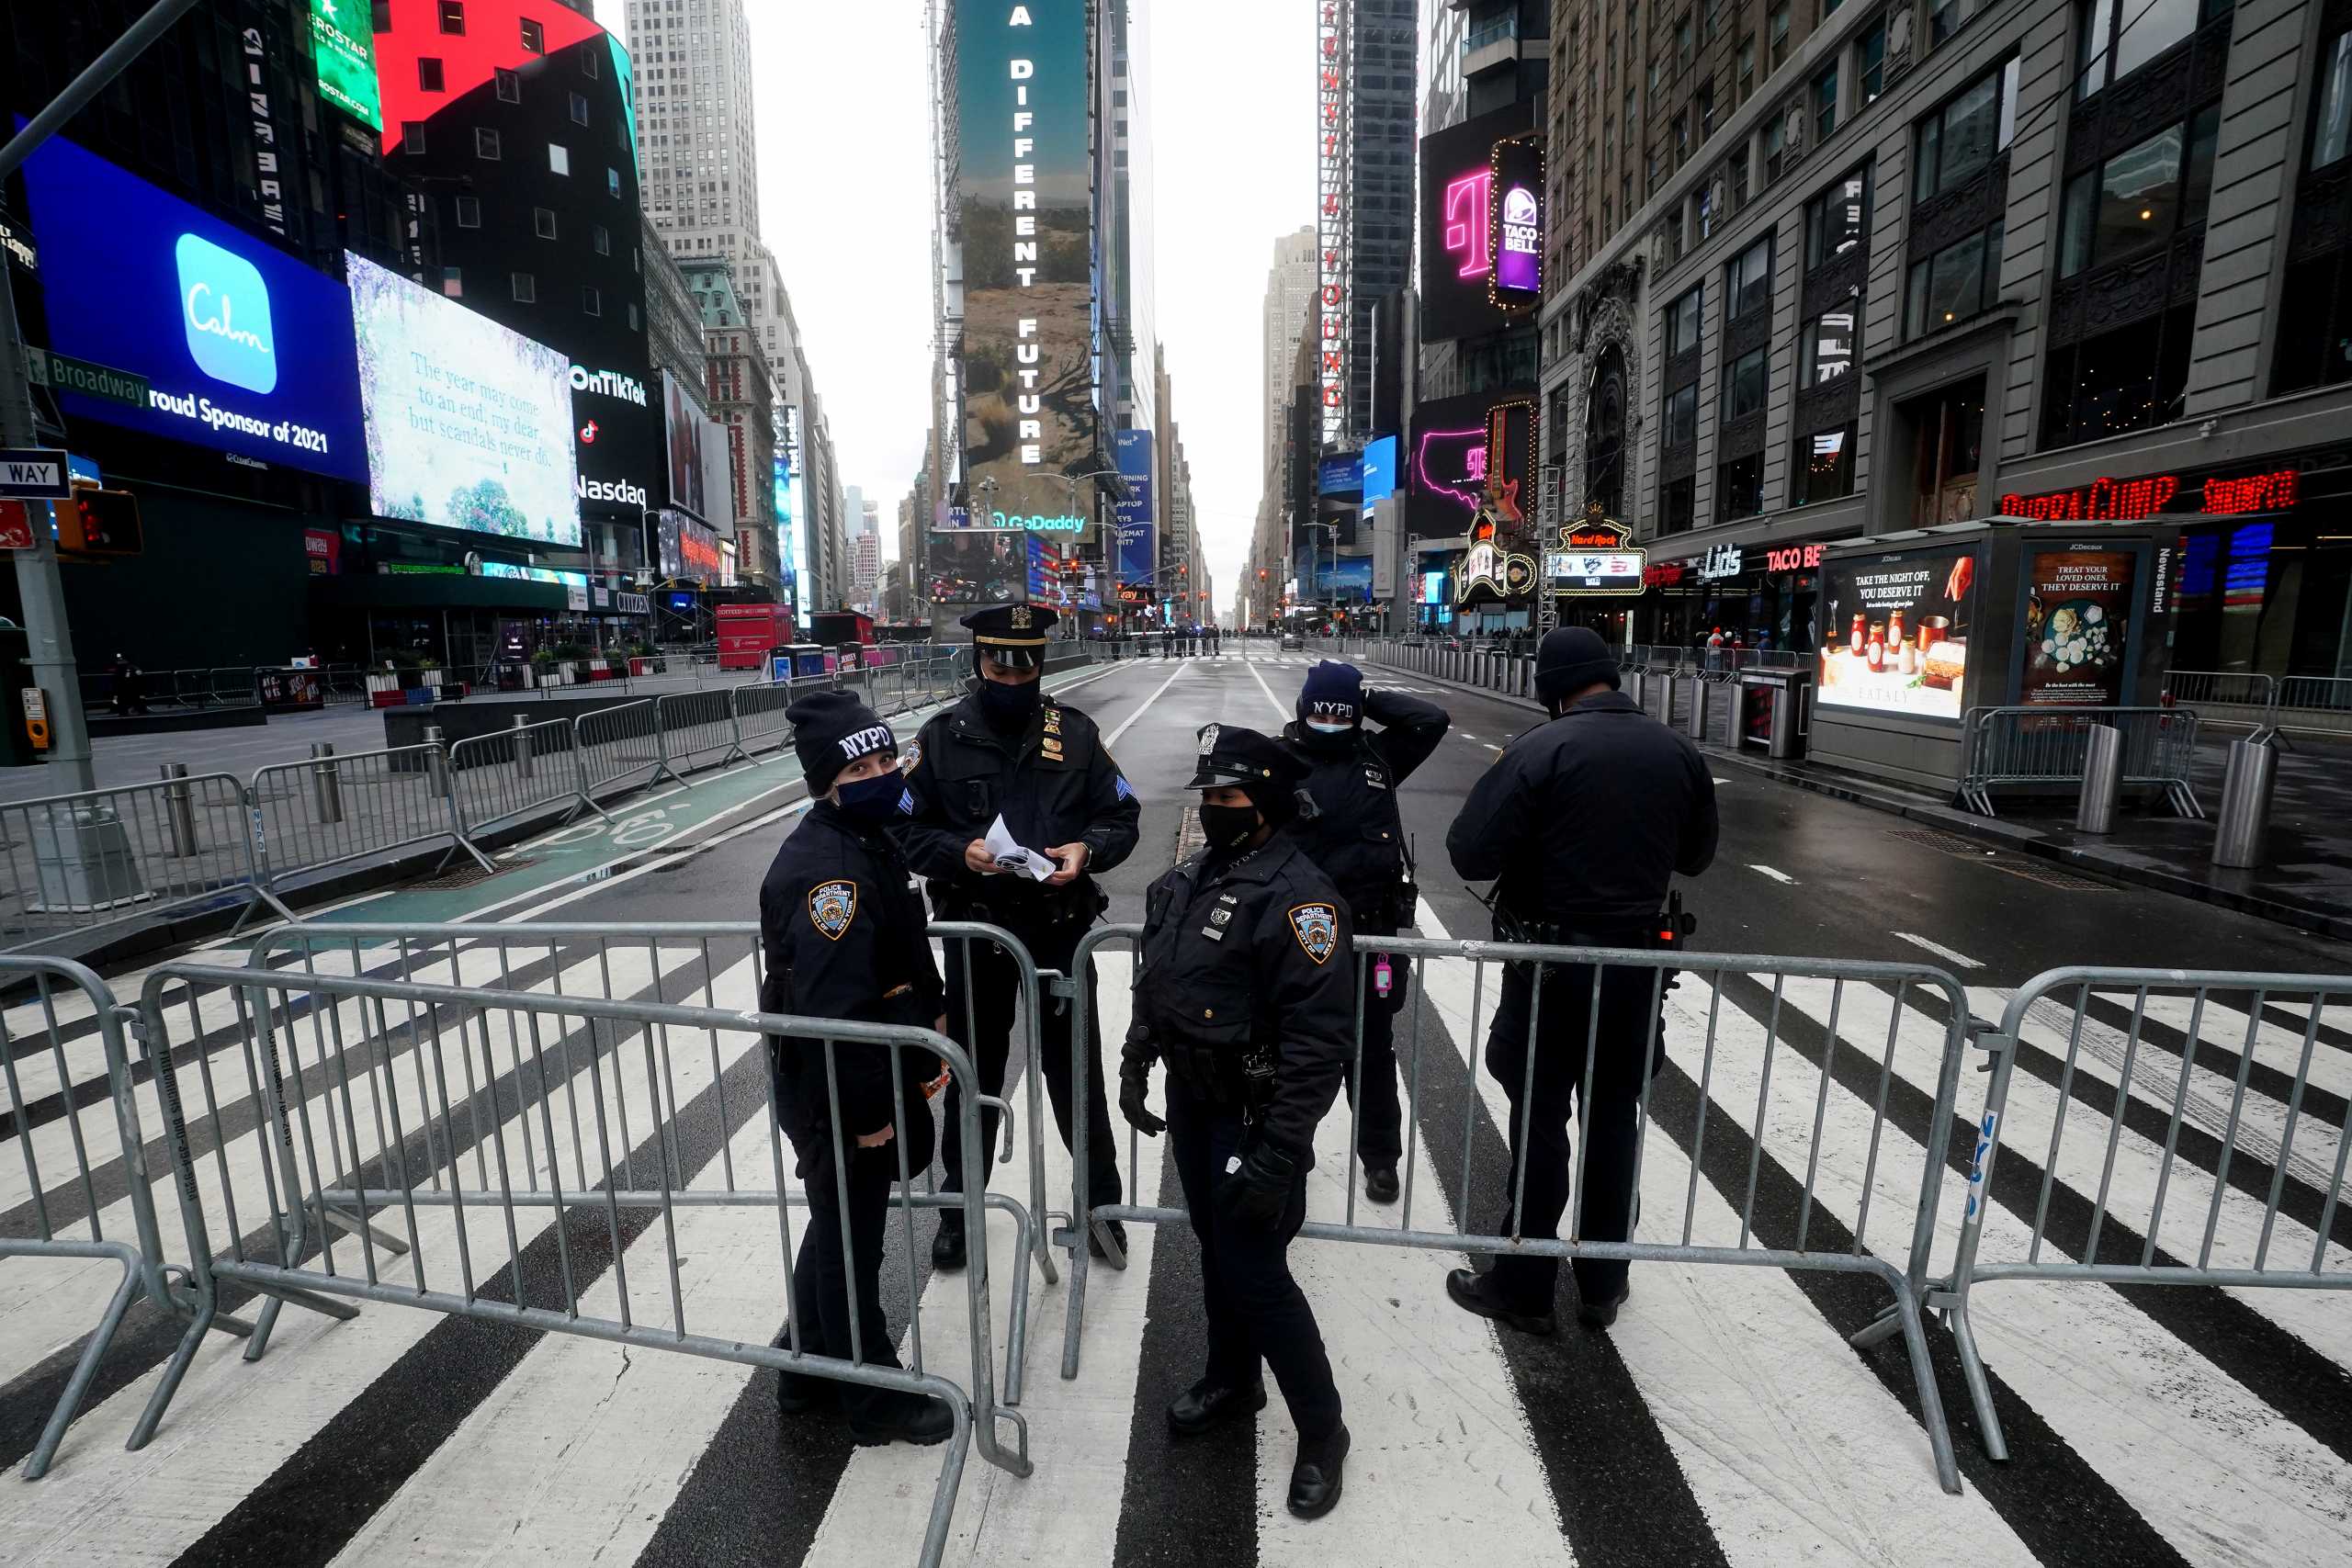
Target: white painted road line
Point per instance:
(1144, 707)
(1782, 877)
(1939, 949)
(1269, 693)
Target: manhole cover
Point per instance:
(466, 874)
(1929, 837)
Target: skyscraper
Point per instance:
(695, 126)
(1290, 285)
(1383, 47)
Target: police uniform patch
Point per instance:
(1020, 617)
(911, 757)
(831, 907)
(1316, 926)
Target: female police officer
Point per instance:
(841, 931)
(1245, 991)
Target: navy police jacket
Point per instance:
(1357, 834)
(1250, 954)
(842, 933)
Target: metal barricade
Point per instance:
(566, 1128)
(2150, 1087)
(67, 1217)
(2030, 746)
(620, 748)
(697, 728)
(759, 724)
(1696, 1083)
(77, 863)
(504, 778)
(333, 809)
(2322, 703)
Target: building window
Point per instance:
(428, 74)
(1958, 140)
(591, 302)
(588, 66)
(1744, 385)
(543, 222)
(579, 108)
(1779, 34)
(559, 158)
(2139, 198)
(510, 84)
(2316, 295)
(1776, 147)
(1706, 213)
(1870, 63)
(1675, 499)
(1739, 177)
(1712, 25)
(526, 288)
(1746, 79)
(1681, 322)
(603, 239)
(1825, 105)
(1682, 42)
(633, 322)
(1826, 347)
(1839, 219)
(453, 16)
(380, 15)
(453, 282)
(613, 182)
(534, 37)
(1748, 280)
(1964, 279)
(1946, 17)
(469, 212)
(1706, 111)
(1821, 467)
(1739, 487)
(1683, 139)
(2331, 110)
(412, 138)
(1681, 424)
(2121, 36)
(485, 144)
(2126, 379)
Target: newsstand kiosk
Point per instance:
(1921, 629)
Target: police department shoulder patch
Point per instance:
(911, 758)
(1316, 926)
(831, 907)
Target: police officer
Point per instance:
(1243, 992)
(841, 931)
(1583, 821)
(1357, 837)
(1008, 749)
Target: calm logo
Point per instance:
(224, 308)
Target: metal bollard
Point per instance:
(2102, 780)
(179, 810)
(1637, 686)
(1695, 722)
(436, 764)
(326, 783)
(521, 746)
(2243, 822)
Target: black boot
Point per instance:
(1118, 1235)
(797, 1394)
(1204, 1406)
(1475, 1293)
(1380, 1183)
(1314, 1479)
(892, 1417)
(947, 1247)
(1601, 1314)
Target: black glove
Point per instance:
(1135, 1089)
(1259, 1189)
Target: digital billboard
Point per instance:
(690, 552)
(1379, 470)
(1139, 545)
(1459, 223)
(2080, 600)
(1517, 244)
(682, 424)
(976, 566)
(1448, 458)
(243, 349)
(342, 48)
(1897, 627)
(468, 423)
(1024, 193)
(718, 476)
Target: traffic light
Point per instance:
(100, 523)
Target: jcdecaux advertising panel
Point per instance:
(245, 349)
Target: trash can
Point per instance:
(1771, 711)
(82, 860)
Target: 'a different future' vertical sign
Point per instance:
(1025, 194)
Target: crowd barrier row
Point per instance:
(2271, 705)
(73, 863)
(2013, 747)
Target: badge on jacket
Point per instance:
(1316, 926)
(831, 907)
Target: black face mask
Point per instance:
(1228, 827)
(1008, 706)
(872, 802)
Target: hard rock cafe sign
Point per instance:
(1593, 558)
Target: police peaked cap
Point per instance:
(1232, 755)
(1013, 634)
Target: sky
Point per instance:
(844, 105)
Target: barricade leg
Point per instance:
(77, 1386)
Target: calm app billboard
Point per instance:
(245, 349)
(468, 423)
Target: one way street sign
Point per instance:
(36, 473)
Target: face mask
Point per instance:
(1226, 827)
(872, 802)
(1328, 733)
(1007, 706)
